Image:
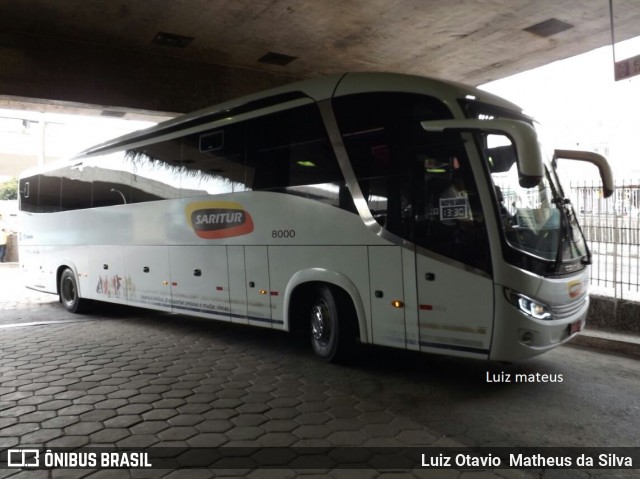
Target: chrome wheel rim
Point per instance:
(320, 323)
(68, 291)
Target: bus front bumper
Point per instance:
(518, 336)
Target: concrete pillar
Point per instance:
(11, 255)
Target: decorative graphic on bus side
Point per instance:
(218, 219)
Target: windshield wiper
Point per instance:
(563, 204)
(564, 229)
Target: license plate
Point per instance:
(575, 327)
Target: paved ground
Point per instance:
(133, 378)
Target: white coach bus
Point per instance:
(381, 208)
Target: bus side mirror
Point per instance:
(594, 158)
(522, 135)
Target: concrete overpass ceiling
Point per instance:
(103, 52)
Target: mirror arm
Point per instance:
(596, 159)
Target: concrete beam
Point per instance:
(60, 70)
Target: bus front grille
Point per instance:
(566, 310)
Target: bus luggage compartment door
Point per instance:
(387, 296)
(106, 279)
(199, 281)
(148, 278)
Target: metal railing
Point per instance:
(612, 229)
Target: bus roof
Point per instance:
(316, 89)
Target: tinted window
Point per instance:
(76, 192)
(406, 174)
(109, 180)
(290, 152)
(287, 152)
(213, 161)
(29, 193)
(49, 194)
(155, 170)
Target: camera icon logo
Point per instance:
(23, 458)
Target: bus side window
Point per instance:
(29, 194)
(154, 171)
(76, 191)
(396, 164)
(109, 194)
(213, 162)
(109, 180)
(382, 135)
(75, 194)
(49, 194)
(290, 152)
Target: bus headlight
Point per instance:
(528, 306)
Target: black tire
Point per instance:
(69, 296)
(332, 332)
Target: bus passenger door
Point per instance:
(148, 280)
(199, 281)
(386, 282)
(453, 260)
(258, 285)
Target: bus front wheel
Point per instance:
(332, 336)
(69, 296)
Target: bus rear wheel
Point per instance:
(69, 296)
(332, 336)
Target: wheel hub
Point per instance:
(319, 329)
(68, 291)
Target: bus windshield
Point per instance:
(538, 221)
